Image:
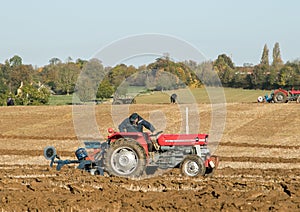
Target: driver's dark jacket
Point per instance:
(127, 126)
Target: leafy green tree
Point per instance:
(263, 72)
(265, 57)
(227, 76)
(105, 90)
(191, 64)
(120, 73)
(286, 77)
(21, 73)
(150, 80)
(277, 61)
(166, 81)
(256, 79)
(227, 60)
(15, 61)
(4, 89)
(32, 95)
(295, 65)
(204, 72)
(49, 76)
(270, 80)
(250, 81)
(238, 81)
(54, 61)
(225, 69)
(277, 64)
(67, 77)
(139, 78)
(183, 74)
(89, 80)
(258, 76)
(81, 63)
(85, 90)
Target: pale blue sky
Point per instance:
(40, 30)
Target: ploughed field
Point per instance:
(259, 161)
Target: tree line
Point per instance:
(29, 85)
(264, 75)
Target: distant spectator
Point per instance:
(10, 102)
(173, 98)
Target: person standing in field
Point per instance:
(10, 102)
(173, 98)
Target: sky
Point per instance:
(39, 30)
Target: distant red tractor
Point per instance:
(283, 96)
(128, 154)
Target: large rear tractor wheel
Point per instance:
(125, 158)
(280, 97)
(192, 166)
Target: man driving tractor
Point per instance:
(135, 123)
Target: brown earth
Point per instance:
(259, 162)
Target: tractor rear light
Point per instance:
(212, 164)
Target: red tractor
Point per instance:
(283, 96)
(129, 154)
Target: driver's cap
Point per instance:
(133, 117)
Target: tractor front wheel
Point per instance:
(280, 97)
(125, 158)
(192, 166)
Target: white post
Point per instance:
(187, 120)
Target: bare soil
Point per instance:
(259, 162)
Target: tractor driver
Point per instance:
(135, 123)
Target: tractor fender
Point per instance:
(281, 90)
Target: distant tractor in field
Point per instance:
(123, 100)
(281, 96)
